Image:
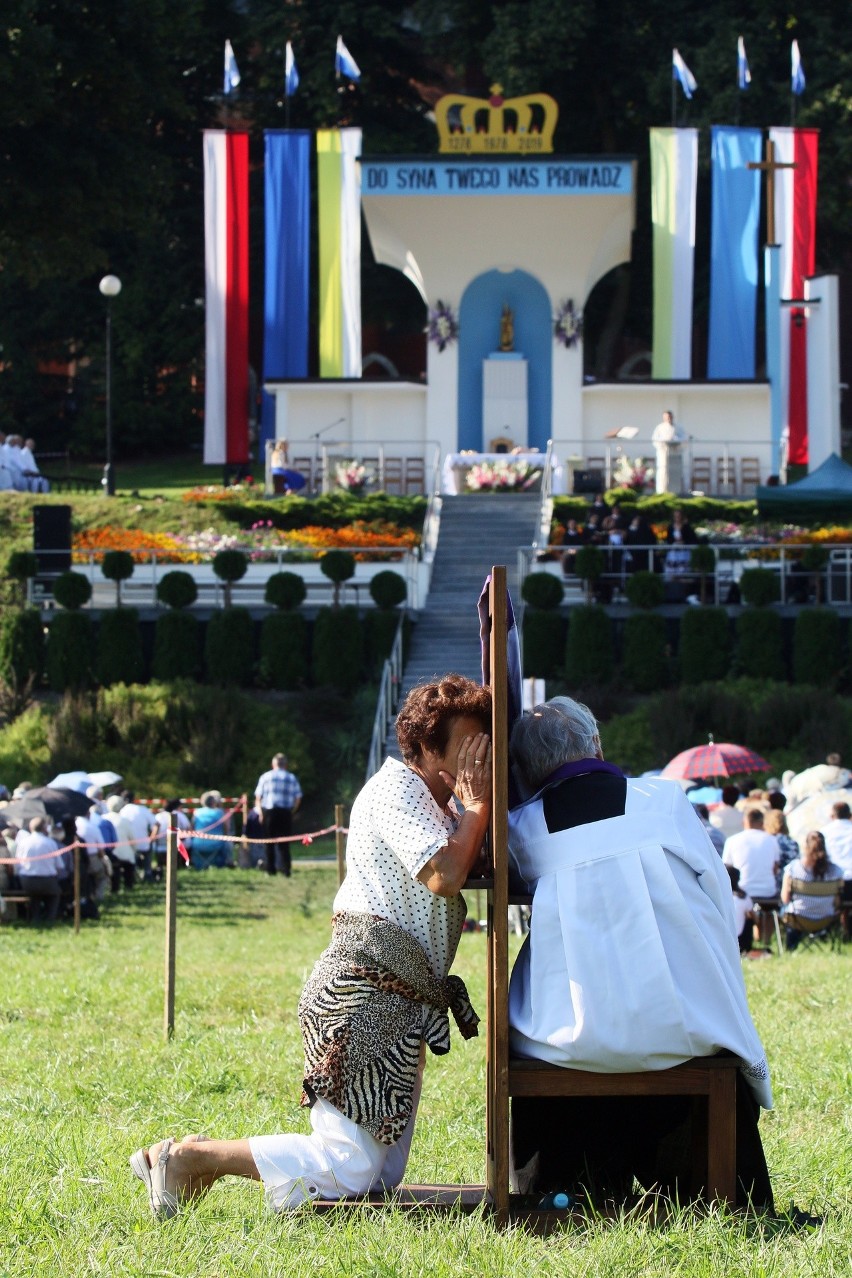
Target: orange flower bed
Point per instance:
(359, 534)
(95, 541)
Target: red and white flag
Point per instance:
(226, 393)
(795, 231)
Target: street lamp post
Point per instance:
(110, 287)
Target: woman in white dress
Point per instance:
(380, 993)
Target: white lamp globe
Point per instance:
(110, 286)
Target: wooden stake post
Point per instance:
(171, 929)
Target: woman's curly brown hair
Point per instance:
(427, 714)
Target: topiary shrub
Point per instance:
(388, 589)
(645, 660)
(759, 587)
(285, 590)
(229, 647)
(814, 561)
(119, 657)
(22, 566)
(759, 653)
(589, 647)
(72, 589)
(21, 646)
(702, 561)
(117, 566)
(284, 650)
(338, 566)
(705, 645)
(816, 646)
(380, 627)
(177, 589)
(229, 566)
(177, 643)
(645, 590)
(544, 640)
(337, 648)
(542, 590)
(589, 564)
(70, 645)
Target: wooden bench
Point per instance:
(16, 899)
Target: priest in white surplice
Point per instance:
(631, 964)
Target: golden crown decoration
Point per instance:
(496, 125)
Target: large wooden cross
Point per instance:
(769, 165)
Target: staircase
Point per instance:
(476, 531)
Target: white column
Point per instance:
(442, 405)
(823, 323)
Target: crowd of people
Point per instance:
(124, 842)
(18, 466)
(629, 543)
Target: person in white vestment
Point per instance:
(668, 440)
(631, 964)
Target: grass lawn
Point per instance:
(150, 476)
(87, 1079)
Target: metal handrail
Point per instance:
(545, 501)
(386, 701)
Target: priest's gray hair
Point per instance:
(557, 732)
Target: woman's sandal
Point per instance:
(163, 1203)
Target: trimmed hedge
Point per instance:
(816, 646)
(177, 642)
(380, 627)
(229, 647)
(338, 640)
(117, 566)
(759, 647)
(542, 590)
(70, 645)
(760, 587)
(589, 648)
(284, 660)
(705, 645)
(120, 657)
(72, 589)
(645, 661)
(285, 590)
(177, 589)
(645, 590)
(21, 645)
(388, 589)
(544, 641)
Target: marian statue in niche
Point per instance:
(507, 329)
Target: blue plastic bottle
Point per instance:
(556, 1202)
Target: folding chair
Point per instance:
(749, 475)
(391, 475)
(415, 475)
(702, 473)
(814, 930)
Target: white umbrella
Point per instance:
(104, 779)
(79, 781)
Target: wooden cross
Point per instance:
(769, 165)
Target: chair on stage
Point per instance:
(726, 476)
(305, 466)
(749, 476)
(415, 475)
(392, 476)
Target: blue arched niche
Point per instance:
(479, 334)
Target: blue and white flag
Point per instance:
(291, 72)
(680, 71)
(743, 73)
(344, 63)
(232, 74)
(797, 84)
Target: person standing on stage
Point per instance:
(277, 797)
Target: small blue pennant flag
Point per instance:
(680, 71)
(344, 63)
(232, 74)
(291, 72)
(797, 75)
(743, 73)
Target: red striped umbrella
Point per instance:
(716, 759)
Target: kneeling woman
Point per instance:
(380, 992)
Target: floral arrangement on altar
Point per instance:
(502, 476)
(567, 324)
(443, 326)
(633, 473)
(351, 476)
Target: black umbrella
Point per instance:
(45, 801)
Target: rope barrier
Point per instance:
(305, 839)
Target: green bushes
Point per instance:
(284, 650)
(760, 587)
(229, 647)
(705, 644)
(177, 645)
(388, 589)
(117, 566)
(816, 646)
(338, 566)
(229, 566)
(72, 589)
(645, 661)
(119, 647)
(544, 627)
(21, 646)
(589, 648)
(542, 590)
(337, 648)
(285, 590)
(645, 590)
(70, 648)
(177, 589)
(759, 650)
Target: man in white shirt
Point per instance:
(755, 854)
(726, 817)
(142, 825)
(38, 871)
(838, 844)
(123, 855)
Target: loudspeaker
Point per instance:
(52, 538)
(588, 481)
